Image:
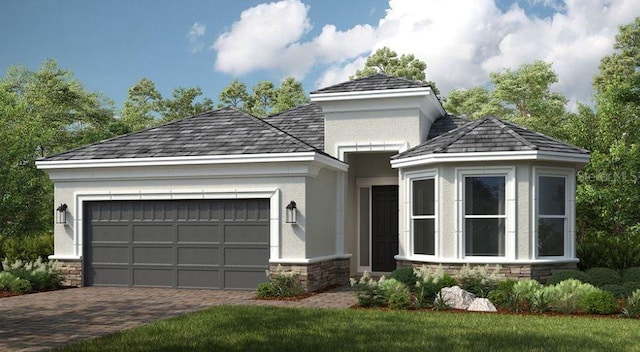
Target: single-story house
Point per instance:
(372, 174)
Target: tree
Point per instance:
(262, 99)
(43, 113)
(289, 95)
(266, 98)
(385, 60)
(234, 95)
(475, 103)
(141, 108)
(183, 104)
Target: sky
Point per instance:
(110, 45)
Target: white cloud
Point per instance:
(271, 37)
(195, 43)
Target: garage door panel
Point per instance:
(177, 243)
(108, 254)
(153, 255)
(245, 256)
(199, 233)
(199, 256)
(243, 280)
(245, 233)
(109, 233)
(153, 233)
(153, 277)
(193, 278)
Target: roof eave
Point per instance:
(195, 160)
(433, 158)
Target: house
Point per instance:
(372, 174)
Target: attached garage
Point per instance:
(222, 244)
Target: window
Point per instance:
(484, 215)
(423, 216)
(552, 216)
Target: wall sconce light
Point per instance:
(61, 214)
(291, 213)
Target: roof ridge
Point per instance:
(513, 133)
(459, 131)
(290, 110)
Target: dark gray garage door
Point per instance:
(194, 243)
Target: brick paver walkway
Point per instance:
(51, 319)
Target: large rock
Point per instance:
(457, 298)
(481, 305)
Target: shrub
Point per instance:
(616, 290)
(603, 276)
(502, 295)
(396, 294)
(429, 283)
(266, 290)
(478, 280)
(526, 292)
(368, 291)
(9, 282)
(630, 287)
(562, 275)
(283, 284)
(26, 247)
(41, 275)
(406, 275)
(631, 274)
(565, 295)
(632, 305)
(598, 302)
(542, 300)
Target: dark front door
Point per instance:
(384, 227)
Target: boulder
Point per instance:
(481, 305)
(457, 298)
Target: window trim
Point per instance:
(569, 234)
(409, 217)
(509, 173)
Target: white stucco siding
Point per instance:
(320, 216)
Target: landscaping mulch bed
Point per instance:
(5, 294)
(299, 297)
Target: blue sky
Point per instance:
(109, 45)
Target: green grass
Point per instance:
(243, 328)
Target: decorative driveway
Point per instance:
(51, 319)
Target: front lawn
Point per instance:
(244, 328)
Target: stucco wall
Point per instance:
(320, 223)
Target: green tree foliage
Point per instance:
(42, 113)
(234, 94)
(608, 194)
(289, 95)
(141, 108)
(387, 61)
(262, 99)
(266, 98)
(475, 103)
(184, 104)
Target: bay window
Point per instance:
(552, 222)
(423, 213)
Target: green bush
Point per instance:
(598, 302)
(599, 277)
(396, 294)
(526, 292)
(406, 275)
(562, 275)
(478, 280)
(26, 247)
(10, 282)
(631, 274)
(283, 284)
(429, 283)
(502, 295)
(266, 290)
(564, 296)
(368, 291)
(632, 305)
(616, 290)
(630, 287)
(42, 275)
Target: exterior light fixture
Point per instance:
(61, 214)
(291, 213)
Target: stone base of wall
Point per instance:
(71, 271)
(316, 276)
(540, 272)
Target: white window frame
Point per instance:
(409, 178)
(569, 211)
(509, 173)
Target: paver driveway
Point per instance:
(44, 320)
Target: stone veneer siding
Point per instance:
(540, 272)
(316, 276)
(71, 271)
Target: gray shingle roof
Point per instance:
(226, 131)
(489, 135)
(378, 81)
(445, 124)
(306, 122)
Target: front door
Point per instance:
(384, 227)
